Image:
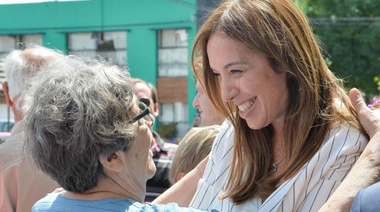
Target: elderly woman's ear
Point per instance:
(112, 162)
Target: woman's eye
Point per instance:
(236, 71)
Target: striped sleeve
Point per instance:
(217, 169)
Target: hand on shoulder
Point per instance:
(369, 118)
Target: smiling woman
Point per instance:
(291, 134)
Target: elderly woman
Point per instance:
(86, 129)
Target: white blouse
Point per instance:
(308, 190)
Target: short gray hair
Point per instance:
(21, 64)
(75, 112)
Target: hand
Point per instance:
(366, 170)
(370, 119)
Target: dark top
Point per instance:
(163, 154)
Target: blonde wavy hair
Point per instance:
(192, 149)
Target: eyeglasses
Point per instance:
(144, 111)
(145, 101)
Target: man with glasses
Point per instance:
(163, 152)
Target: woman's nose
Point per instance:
(228, 89)
(196, 101)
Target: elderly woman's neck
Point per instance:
(106, 189)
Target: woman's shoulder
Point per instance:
(346, 130)
(57, 202)
(347, 137)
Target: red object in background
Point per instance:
(4, 134)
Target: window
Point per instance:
(172, 78)
(9, 42)
(172, 53)
(111, 46)
(175, 113)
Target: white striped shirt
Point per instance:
(308, 190)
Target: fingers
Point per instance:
(370, 119)
(358, 102)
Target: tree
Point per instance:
(350, 32)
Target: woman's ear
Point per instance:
(112, 162)
(155, 112)
(6, 94)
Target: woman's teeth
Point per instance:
(246, 106)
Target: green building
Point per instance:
(152, 37)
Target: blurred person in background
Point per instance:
(207, 112)
(163, 151)
(21, 185)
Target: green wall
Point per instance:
(140, 18)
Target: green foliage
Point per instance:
(350, 33)
(377, 80)
(168, 130)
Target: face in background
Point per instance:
(208, 114)
(247, 80)
(143, 93)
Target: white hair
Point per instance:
(21, 65)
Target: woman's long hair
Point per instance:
(282, 32)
